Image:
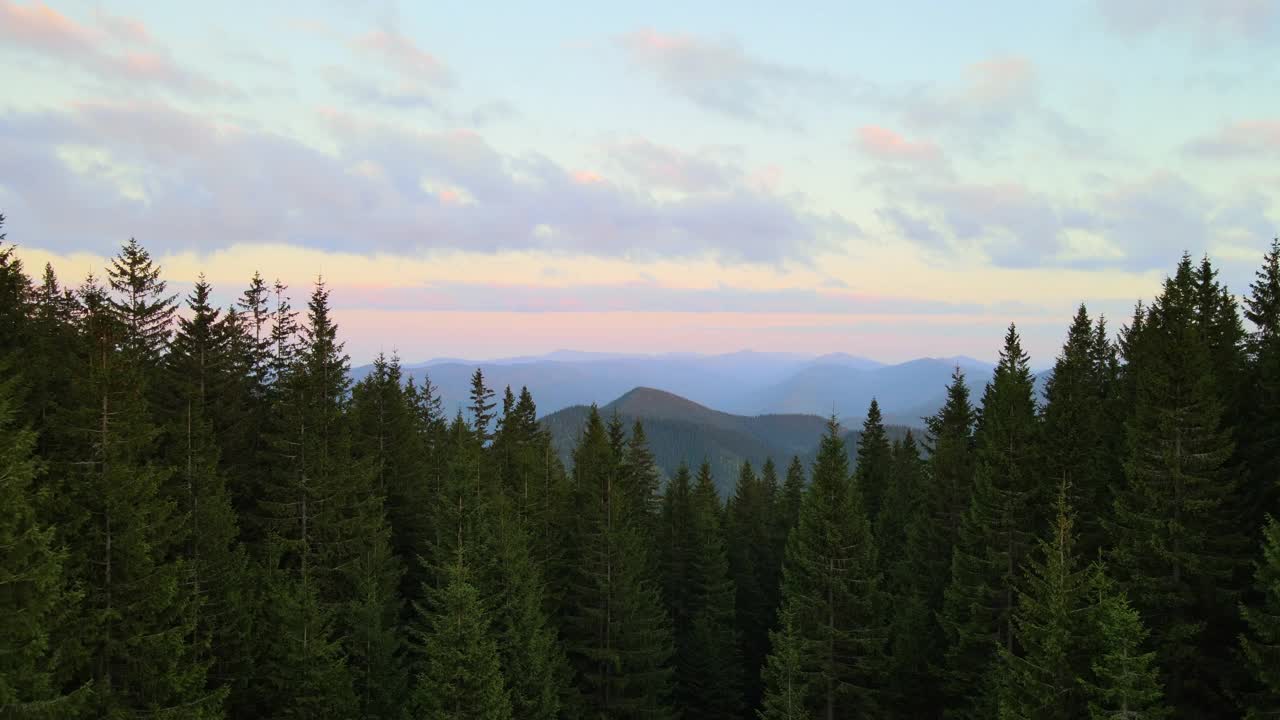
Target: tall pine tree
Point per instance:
(1176, 538)
(831, 589)
(996, 534)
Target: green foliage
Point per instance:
(300, 671)
(996, 534)
(530, 656)
(617, 634)
(1177, 542)
(1055, 631)
(709, 665)
(33, 596)
(1079, 432)
(1260, 433)
(752, 563)
(461, 674)
(1126, 680)
(912, 635)
(1261, 641)
(134, 637)
(199, 379)
(831, 588)
(786, 680)
(875, 458)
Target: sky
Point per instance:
(888, 179)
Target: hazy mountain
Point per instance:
(745, 383)
(680, 430)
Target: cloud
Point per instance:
(1258, 139)
(1137, 225)
(886, 145)
(917, 229)
(115, 49)
(993, 94)
(722, 77)
(178, 180)
(665, 167)
(1209, 19)
(402, 54)
(366, 92)
(994, 97)
(642, 297)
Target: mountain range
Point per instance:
(745, 383)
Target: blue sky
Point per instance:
(888, 179)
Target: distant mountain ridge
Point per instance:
(746, 383)
(682, 431)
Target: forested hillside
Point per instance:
(202, 516)
(679, 431)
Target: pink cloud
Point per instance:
(40, 27)
(884, 144)
(97, 49)
(587, 177)
(405, 56)
(1247, 137)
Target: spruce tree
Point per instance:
(134, 638)
(1260, 437)
(461, 676)
(199, 375)
(34, 597)
(617, 633)
(144, 309)
(481, 407)
(1055, 630)
(749, 538)
(832, 589)
(786, 679)
(675, 559)
(788, 512)
(530, 656)
(640, 480)
(1261, 641)
(874, 460)
(300, 671)
(997, 532)
(1078, 448)
(1177, 541)
(949, 443)
(16, 295)
(1126, 682)
(325, 518)
(387, 435)
(911, 625)
(711, 676)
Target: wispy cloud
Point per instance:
(115, 49)
(1257, 139)
(402, 54)
(721, 76)
(1135, 225)
(993, 98)
(1208, 19)
(665, 167)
